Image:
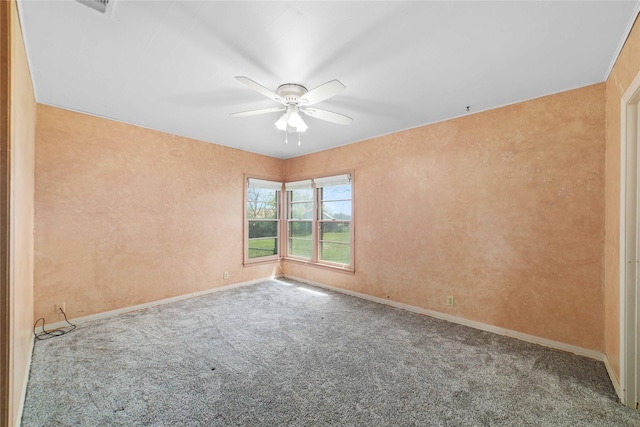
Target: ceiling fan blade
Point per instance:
(256, 112)
(322, 92)
(260, 89)
(329, 116)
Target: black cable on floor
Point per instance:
(45, 335)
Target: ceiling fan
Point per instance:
(296, 99)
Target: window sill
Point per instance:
(261, 261)
(336, 268)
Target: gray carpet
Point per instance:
(279, 353)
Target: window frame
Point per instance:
(321, 220)
(287, 208)
(277, 220)
(317, 223)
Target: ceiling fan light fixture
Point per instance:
(294, 118)
(291, 121)
(281, 124)
(302, 126)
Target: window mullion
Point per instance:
(287, 224)
(314, 224)
(281, 218)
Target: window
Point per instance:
(262, 227)
(334, 219)
(300, 214)
(311, 221)
(319, 213)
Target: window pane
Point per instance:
(301, 195)
(263, 247)
(336, 210)
(335, 252)
(302, 210)
(301, 247)
(300, 229)
(262, 203)
(337, 192)
(261, 194)
(259, 229)
(335, 232)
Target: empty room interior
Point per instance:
(302, 206)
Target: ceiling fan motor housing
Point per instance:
(291, 92)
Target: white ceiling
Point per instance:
(170, 65)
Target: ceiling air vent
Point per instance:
(99, 5)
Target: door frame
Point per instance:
(5, 177)
(629, 244)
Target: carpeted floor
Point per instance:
(281, 353)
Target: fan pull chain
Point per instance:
(286, 138)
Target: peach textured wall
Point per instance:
(23, 122)
(126, 215)
(626, 68)
(502, 209)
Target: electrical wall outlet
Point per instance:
(450, 301)
(225, 275)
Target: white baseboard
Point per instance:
(614, 379)
(110, 313)
(25, 382)
(592, 354)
